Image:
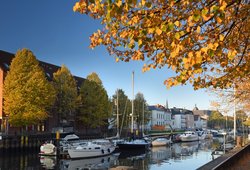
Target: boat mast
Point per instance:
(117, 114)
(132, 114)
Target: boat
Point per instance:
(189, 136)
(48, 149)
(204, 134)
(90, 149)
(133, 143)
(161, 141)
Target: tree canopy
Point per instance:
(205, 42)
(27, 93)
(94, 103)
(66, 90)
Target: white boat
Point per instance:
(205, 135)
(90, 149)
(189, 136)
(48, 149)
(161, 141)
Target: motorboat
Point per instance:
(161, 141)
(189, 136)
(96, 148)
(48, 149)
(205, 135)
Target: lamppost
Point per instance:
(224, 143)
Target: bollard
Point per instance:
(239, 141)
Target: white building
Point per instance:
(201, 122)
(160, 118)
(182, 118)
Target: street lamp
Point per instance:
(224, 135)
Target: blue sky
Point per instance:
(59, 36)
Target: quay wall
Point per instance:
(31, 141)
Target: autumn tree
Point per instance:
(66, 92)
(205, 43)
(94, 103)
(123, 104)
(27, 93)
(216, 120)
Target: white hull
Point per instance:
(161, 142)
(47, 149)
(189, 136)
(90, 150)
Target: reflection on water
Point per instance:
(190, 155)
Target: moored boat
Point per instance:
(91, 149)
(48, 149)
(189, 136)
(161, 141)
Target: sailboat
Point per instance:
(133, 143)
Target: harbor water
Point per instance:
(178, 156)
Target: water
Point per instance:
(179, 156)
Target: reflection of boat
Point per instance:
(160, 154)
(161, 141)
(185, 149)
(48, 149)
(89, 149)
(124, 154)
(48, 162)
(189, 136)
(104, 162)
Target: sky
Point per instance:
(57, 35)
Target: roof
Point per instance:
(49, 69)
(176, 111)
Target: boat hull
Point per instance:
(90, 153)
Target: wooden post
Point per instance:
(57, 142)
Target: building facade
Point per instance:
(160, 118)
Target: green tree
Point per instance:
(27, 93)
(66, 90)
(216, 120)
(141, 109)
(124, 108)
(205, 42)
(94, 103)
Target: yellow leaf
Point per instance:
(119, 3)
(143, 2)
(218, 19)
(198, 29)
(221, 37)
(177, 23)
(158, 31)
(117, 60)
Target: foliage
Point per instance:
(27, 94)
(124, 107)
(141, 109)
(66, 90)
(94, 103)
(205, 42)
(216, 120)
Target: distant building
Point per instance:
(160, 118)
(49, 69)
(182, 118)
(203, 117)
